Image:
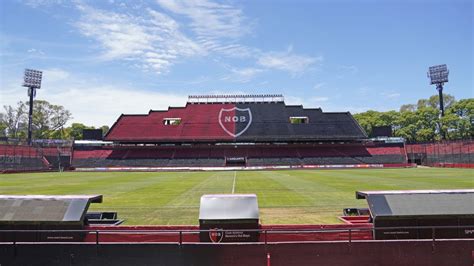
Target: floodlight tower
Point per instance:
(32, 80)
(439, 75)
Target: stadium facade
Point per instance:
(238, 131)
(260, 121)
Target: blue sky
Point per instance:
(104, 58)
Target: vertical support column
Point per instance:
(441, 100)
(31, 92)
(350, 240)
(433, 236)
(439, 87)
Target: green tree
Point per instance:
(448, 100)
(48, 118)
(14, 119)
(76, 130)
(407, 127)
(370, 119)
(3, 125)
(105, 129)
(408, 107)
(463, 126)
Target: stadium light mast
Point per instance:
(32, 80)
(439, 75)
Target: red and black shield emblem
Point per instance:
(216, 235)
(235, 121)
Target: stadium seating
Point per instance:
(255, 155)
(262, 122)
(22, 158)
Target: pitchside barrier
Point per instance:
(344, 234)
(387, 253)
(248, 168)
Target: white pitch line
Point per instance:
(233, 185)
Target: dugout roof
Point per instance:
(419, 203)
(45, 208)
(235, 122)
(228, 207)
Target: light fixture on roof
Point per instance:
(438, 76)
(235, 98)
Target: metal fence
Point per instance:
(448, 153)
(18, 157)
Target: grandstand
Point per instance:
(253, 131)
(15, 157)
(238, 131)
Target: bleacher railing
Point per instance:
(349, 234)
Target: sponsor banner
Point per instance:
(243, 168)
(217, 235)
(220, 235)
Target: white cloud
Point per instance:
(35, 51)
(319, 85)
(91, 103)
(307, 102)
(351, 69)
(153, 39)
(392, 95)
(243, 74)
(320, 99)
(216, 26)
(363, 90)
(209, 19)
(54, 75)
(288, 61)
(111, 101)
(38, 3)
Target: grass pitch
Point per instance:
(285, 197)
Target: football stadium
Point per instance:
(229, 133)
(227, 175)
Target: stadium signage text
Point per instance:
(235, 118)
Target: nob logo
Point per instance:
(216, 235)
(232, 121)
(235, 119)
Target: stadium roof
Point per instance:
(235, 122)
(417, 203)
(45, 208)
(228, 207)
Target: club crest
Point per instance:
(216, 235)
(241, 119)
